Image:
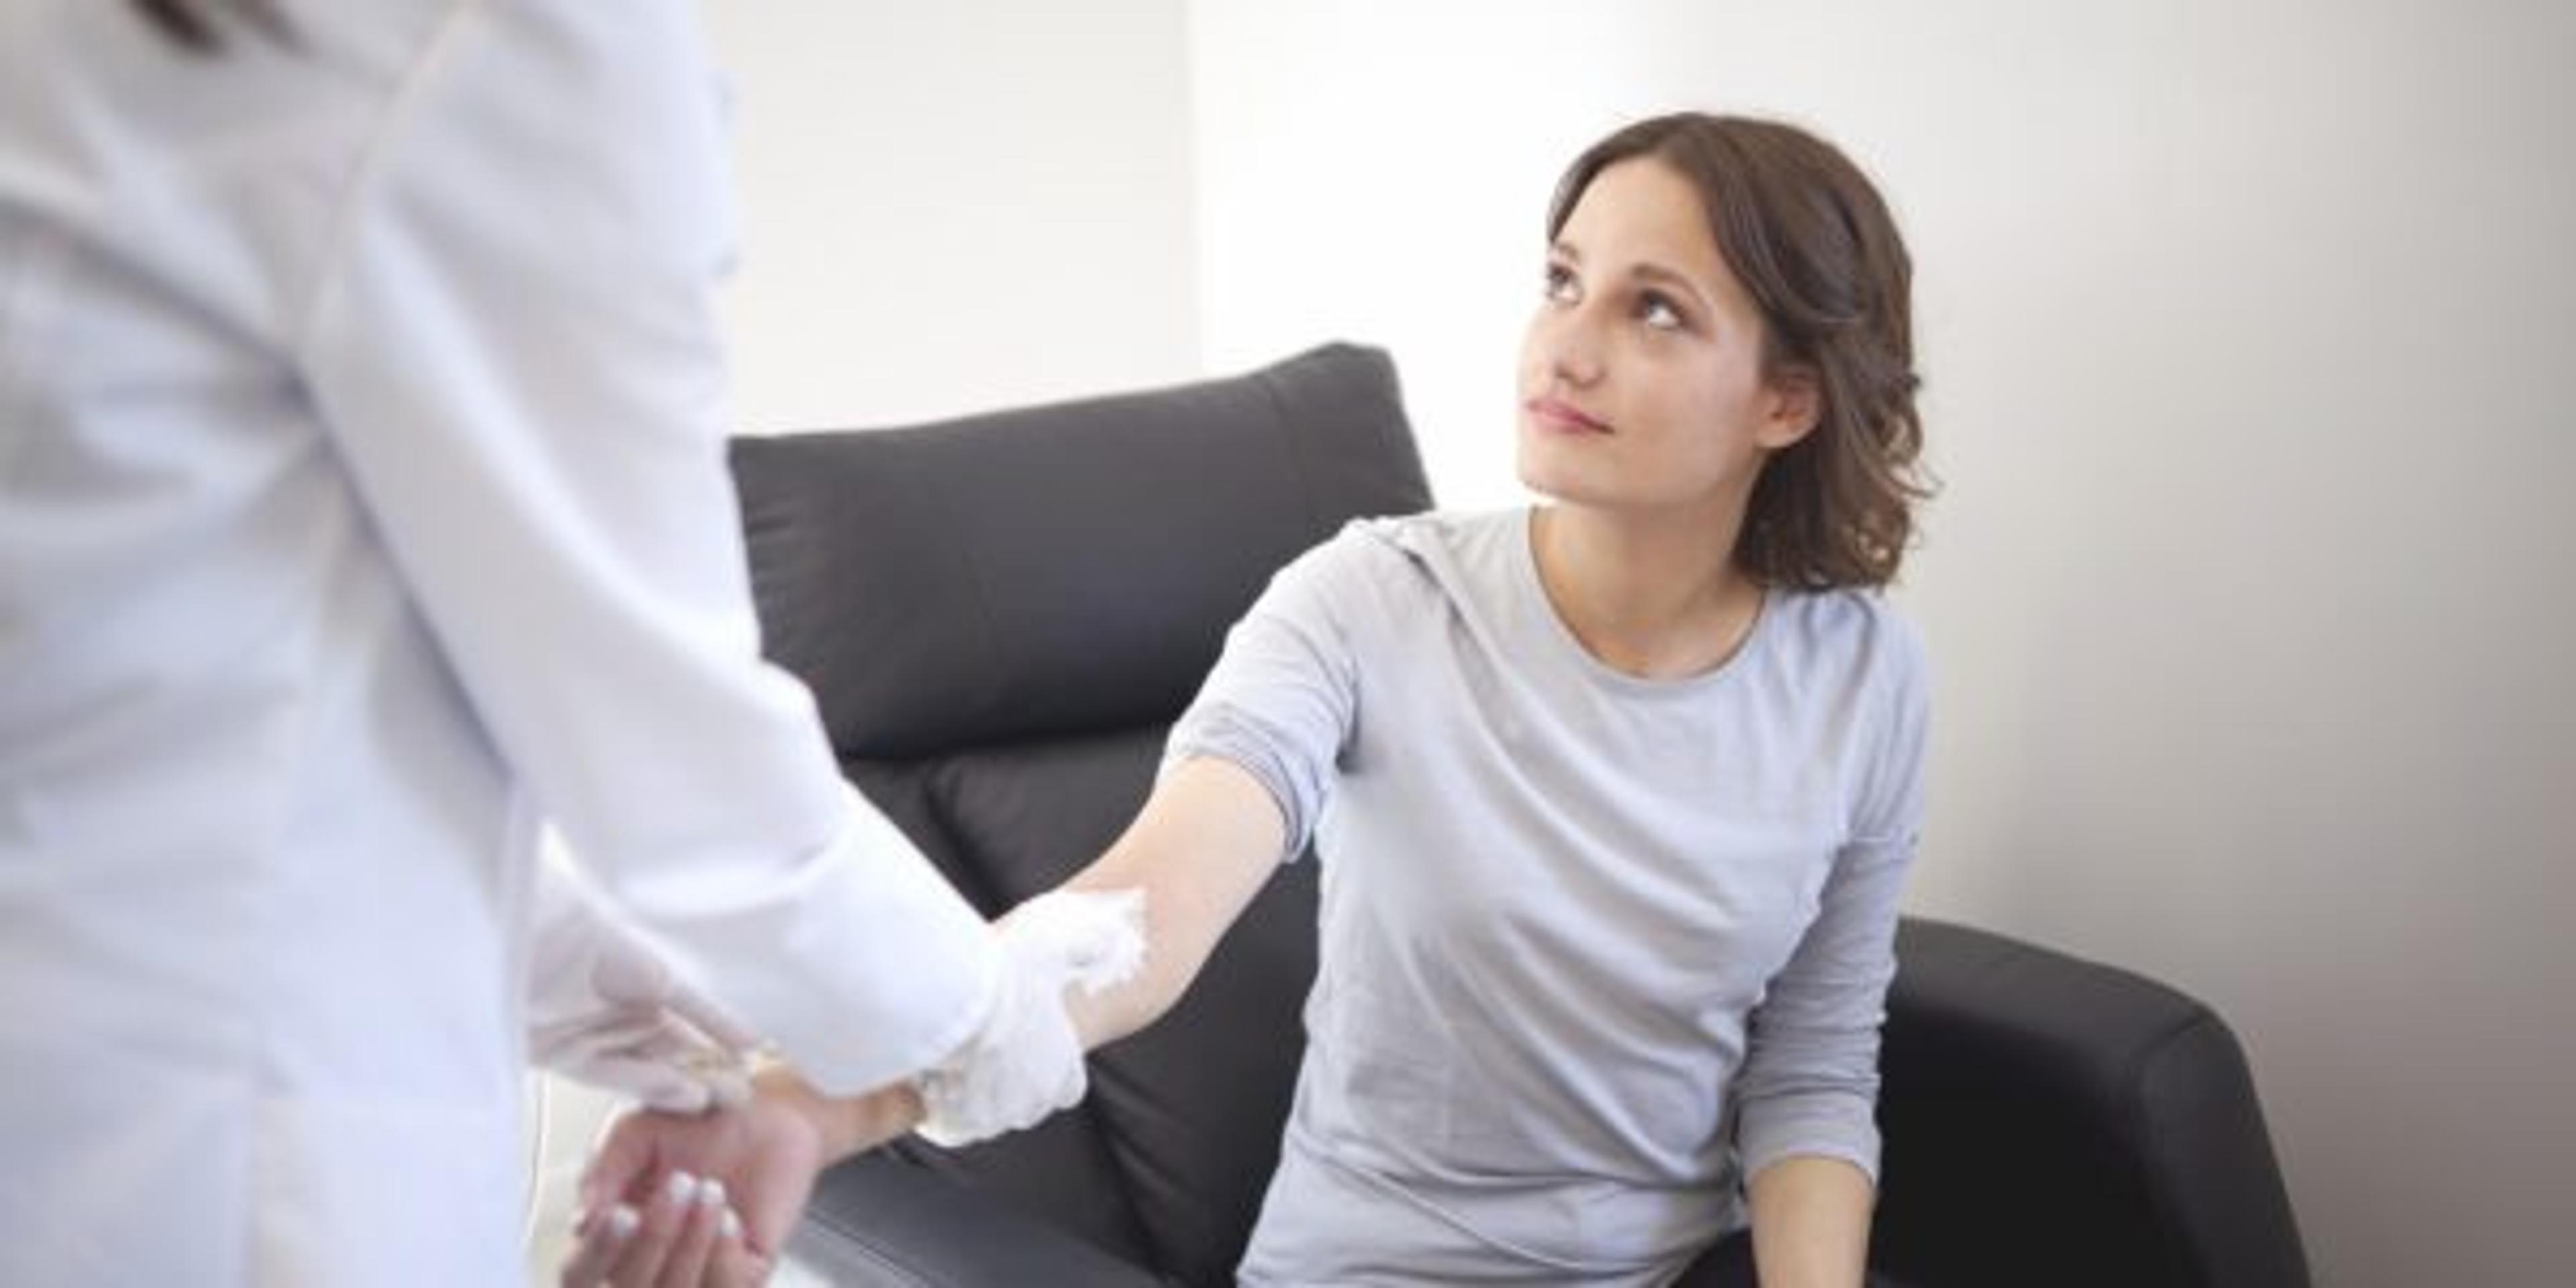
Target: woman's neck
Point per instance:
(1653, 596)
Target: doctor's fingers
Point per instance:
(664, 1062)
(684, 1082)
(709, 1021)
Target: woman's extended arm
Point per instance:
(1205, 843)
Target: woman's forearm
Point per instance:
(1203, 845)
(1811, 1223)
(844, 1125)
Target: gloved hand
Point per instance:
(1026, 1061)
(605, 1009)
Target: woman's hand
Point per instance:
(684, 1233)
(711, 1198)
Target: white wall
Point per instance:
(2246, 325)
(949, 207)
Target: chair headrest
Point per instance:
(1060, 569)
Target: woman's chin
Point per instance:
(1543, 468)
(1560, 481)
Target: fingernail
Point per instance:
(711, 1192)
(732, 1226)
(622, 1221)
(679, 1188)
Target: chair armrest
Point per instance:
(881, 1222)
(2053, 1121)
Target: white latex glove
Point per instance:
(605, 1009)
(1026, 1061)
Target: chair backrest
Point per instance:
(1000, 617)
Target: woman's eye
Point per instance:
(1560, 283)
(1657, 312)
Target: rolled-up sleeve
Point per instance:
(1284, 697)
(1809, 1085)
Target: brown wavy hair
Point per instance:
(1815, 246)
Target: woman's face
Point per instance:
(1641, 377)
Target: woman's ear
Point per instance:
(1795, 402)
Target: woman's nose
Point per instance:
(1571, 345)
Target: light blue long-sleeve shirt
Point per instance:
(1594, 948)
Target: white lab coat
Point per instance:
(363, 499)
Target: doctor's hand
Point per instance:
(764, 1157)
(604, 1008)
(1026, 1060)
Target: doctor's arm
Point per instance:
(603, 1007)
(1248, 769)
(1202, 847)
(511, 336)
(1204, 844)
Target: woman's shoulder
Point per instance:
(1407, 548)
(1428, 529)
(1398, 568)
(1850, 630)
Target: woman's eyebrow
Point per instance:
(1653, 272)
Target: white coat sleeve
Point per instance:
(513, 341)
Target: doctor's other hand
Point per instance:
(764, 1155)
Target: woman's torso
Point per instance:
(1552, 894)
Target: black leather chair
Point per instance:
(1001, 615)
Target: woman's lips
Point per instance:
(1563, 417)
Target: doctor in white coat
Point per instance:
(363, 501)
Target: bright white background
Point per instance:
(946, 206)
(2247, 327)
